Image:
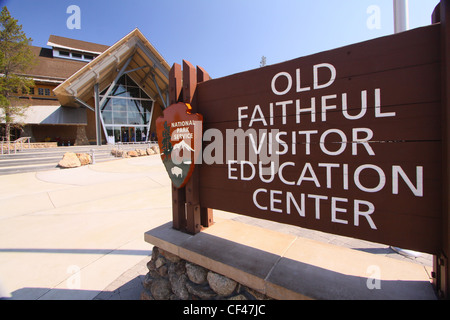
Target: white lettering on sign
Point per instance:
(262, 162)
(182, 134)
(312, 110)
(317, 83)
(246, 170)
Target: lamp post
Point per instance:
(401, 16)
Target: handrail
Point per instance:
(16, 142)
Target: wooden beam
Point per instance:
(175, 83)
(136, 69)
(189, 81)
(441, 265)
(206, 214)
(113, 84)
(155, 61)
(178, 195)
(193, 217)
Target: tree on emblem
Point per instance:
(166, 144)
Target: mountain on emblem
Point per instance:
(183, 145)
(179, 135)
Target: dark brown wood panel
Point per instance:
(386, 189)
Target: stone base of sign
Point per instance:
(172, 278)
(282, 266)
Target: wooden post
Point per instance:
(193, 222)
(188, 216)
(178, 195)
(441, 268)
(175, 81)
(206, 214)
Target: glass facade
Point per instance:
(127, 112)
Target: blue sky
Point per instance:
(222, 36)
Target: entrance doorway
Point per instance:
(128, 134)
(132, 134)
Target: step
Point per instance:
(30, 160)
(41, 167)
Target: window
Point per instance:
(31, 91)
(43, 91)
(128, 108)
(75, 55)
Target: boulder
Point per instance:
(120, 153)
(155, 149)
(70, 160)
(196, 274)
(169, 256)
(141, 152)
(146, 295)
(178, 285)
(161, 289)
(85, 158)
(203, 292)
(221, 285)
(132, 153)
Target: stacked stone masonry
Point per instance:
(172, 278)
(19, 146)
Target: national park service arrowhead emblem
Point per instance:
(180, 141)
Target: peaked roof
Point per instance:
(49, 68)
(133, 52)
(78, 45)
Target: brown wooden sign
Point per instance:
(358, 135)
(350, 141)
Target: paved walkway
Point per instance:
(69, 234)
(79, 233)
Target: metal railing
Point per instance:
(16, 143)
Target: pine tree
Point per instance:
(16, 58)
(263, 62)
(166, 144)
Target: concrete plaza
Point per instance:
(69, 234)
(79, 233)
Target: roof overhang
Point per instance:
(59, 46)
(54, 115)
(135, 53)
